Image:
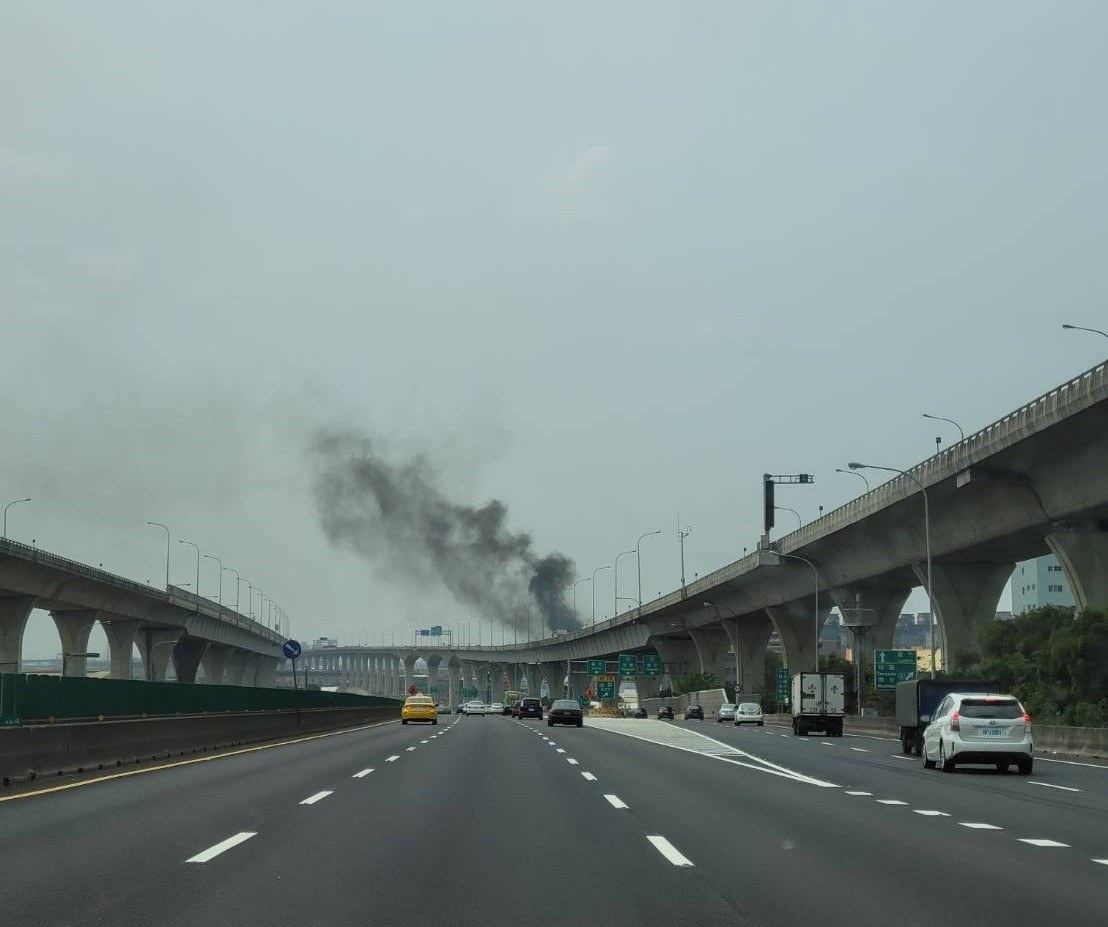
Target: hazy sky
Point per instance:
(605, 262)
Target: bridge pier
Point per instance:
(965, 596)
(186, 658)
(121, 644)
(14, 612)
(712, 644)
(74, 628)
(796, 623)
(215, 661)
(680, 656)
(881, 607)
(749, 637)
(1083, 554)
(266, 675)
(155, 646)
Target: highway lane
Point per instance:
(488, 818)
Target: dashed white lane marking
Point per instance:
(932, 814)
(827, 743)
(589, 776)
(425, 741)
(891, 801)
(1103, 862)
(362, 774)
(571, 761)
(560, 750)
(858, 793)
(897, 756)
(1041, 842)
(1048, 785)
(669, 851)
(411, 749)
(859, 749)
(319, 796)
(978, 826)
(213, 851)
(551, 743)
(782, 735)
(392, 759)
(615, 801)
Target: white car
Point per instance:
(749, 713)
(494, 708)
(474, 708)
(969, 727)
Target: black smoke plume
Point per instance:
(397, 518)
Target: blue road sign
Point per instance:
(291, 649)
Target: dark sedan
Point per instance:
(530, 708)
(665, 713)
(694, 713)
(565, 711)
(639, 712)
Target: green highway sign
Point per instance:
(893, 666)
(652, 664)
(782, 686)
(598, 667)
(605, 687)
(628, 664)
(583, 701)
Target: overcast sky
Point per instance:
(605, 262)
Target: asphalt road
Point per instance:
(487, 820)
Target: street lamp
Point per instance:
(249, 599)
(815, 574)
(587, 579)
(238, 585)
(615, 581)
(594, 572)
(165, 528)
(6, 507)
(220, 562)
(949, 421)
(1079, 328)
(785, 508)
(192, 544)
(854, 473)
(927, 543)
(638, 564)
(681, 535)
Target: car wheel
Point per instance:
(761, 724)
(927, 764)
(947, 765)
(435, 721)
(403, 720)
(580, 723)
(1025, 766)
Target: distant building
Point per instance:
(1040, 582)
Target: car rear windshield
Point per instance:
(531, 702)
(726, 707)
(750, 708)
(990, 708)
(420, 700)
(565, 703)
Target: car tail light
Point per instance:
(955, 722)
(1027, 719)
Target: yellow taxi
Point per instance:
(419, 708)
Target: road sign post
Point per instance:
(782, 688)
(291, 649)
(893, 666)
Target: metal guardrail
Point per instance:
(198, 604)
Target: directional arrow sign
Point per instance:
(628, 664)
(597, 667)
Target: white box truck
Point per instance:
(818, 703)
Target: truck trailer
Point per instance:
(818, 703)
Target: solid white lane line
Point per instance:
(571, 761)
(859, 749)
(319, 796)
(669, 851)
(615, 801)
(392, 759)
(560, 750)
(890, 801)
(1046, 759)
(589, 776)
(858, 793)
(1048, 785)
(1041, 842)
(932, 814)
(411, 749)
(977, 826)
(362, 774)
(213, 851)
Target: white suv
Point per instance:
(969, 727)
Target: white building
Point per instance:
(1040, 582)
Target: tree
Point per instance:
(696, 682)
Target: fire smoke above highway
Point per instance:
(397, 518)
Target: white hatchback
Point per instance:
(969, 727)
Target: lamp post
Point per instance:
(594, 572)
(681, 535)
(196, 588)
(949, 421)
(815, 574)
(1081, 328)
(860, 476)
(587, 579)
(615, 581)
(783, 508)
(238, 585)
(6, 507)
(165, 528)
(249, 599)
(638, 564)
(926, 539)
(220, 562)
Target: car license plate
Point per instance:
(991, 731)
